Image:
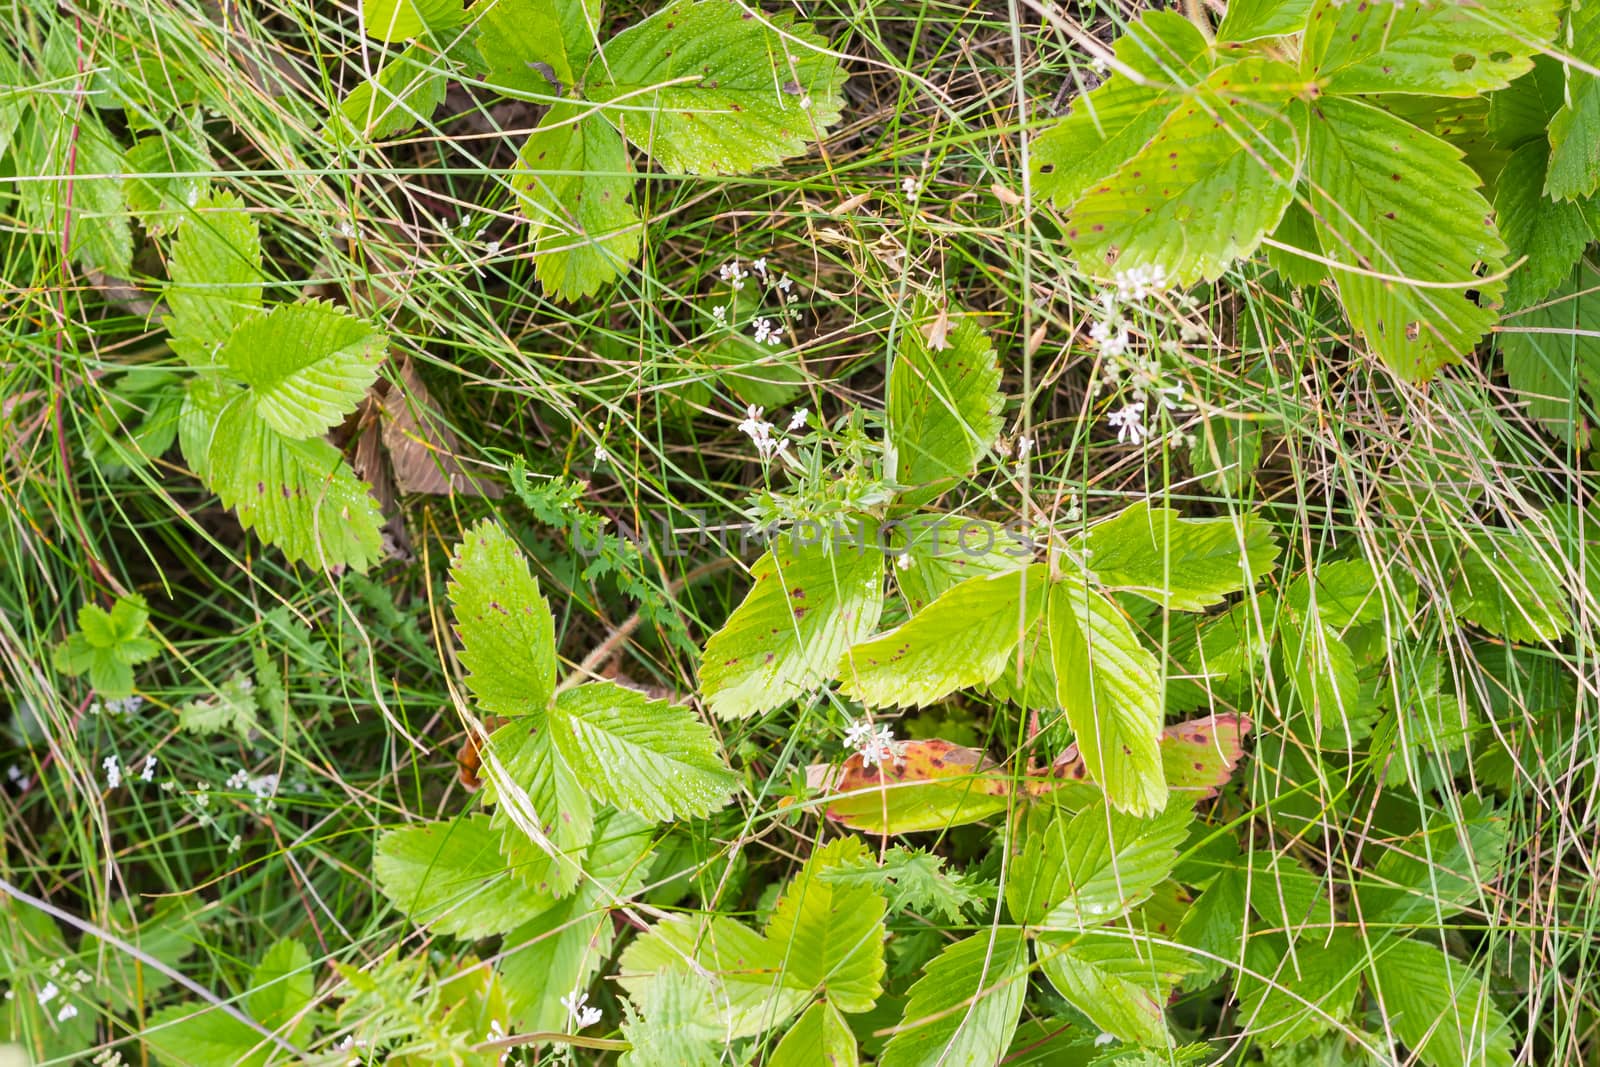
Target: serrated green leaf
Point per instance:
(166, 177)
(1296, 233)
(1522, 110)
(232, 709)
(1551, 354)
(1321, 668)
(1250, 20)
(1397, 202)
(1432, 875)
(647, 756)
(1575, 129)
(939, 552)
(1508, 583)
(1439, 1008)
(965, 1006)
(911, 879)
(195, 1035)
(450, 877)
(1109, 686)
(1076, 871)
(214, 277)
(1214, 928)
(1119, 981)
(1186, 564)
(107, 645)
(964, 638)
(676, 1025)
(538, 46)
(79, 171)
(406, 90)
(1291, 993)
(298, 495)
(540, 788)
(573, 183)
(1431, 47)
(806, 608)
(822, 1036)
(943, 403)
(1551, 234)
(504, 624)
(281, 988)
(929, 785)
(746, 977)
(307, 365)
(1209, 186)
(1107, 126)
(707, 87)
(400, 20)
(832, 935)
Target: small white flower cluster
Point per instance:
(15, 776)
(875, 744)
(578, 1010)
(911, 188)
(760, 431)
(115, 770)
(350, 1044)
(108, 1057)
(262, 786)
(1129, 423)
(768, 330)
(733, 274)
(125, 706)
(1140, 283)
(74, 984)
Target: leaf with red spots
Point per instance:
(504, 623)
(930, 785)
(1198, 756)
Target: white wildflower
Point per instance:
(148, 773)
(578, 1010)
(1105, 1039)
(68, 1011)
(720, 313)
(492, 248)
(875, 743)
(237, 780)
(904, 562)
(753, 426)
(1129, 422)
(785, 283)
(48, 993)
(1024, 446)
(601, 455)
(766, 332)
(113, 771)
(910, 187)
(759, 265)
(1170, 397)
(805, 102)
(733, 274)
(797, 421)
(1137, 283)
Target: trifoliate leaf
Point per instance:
(406, 90)
(400, 20)
(504, 623)
(1439, 1008)
(1250, 20)
(1509, 583)
(231, 709)
(1431, 47)
(1550, 234)
(716, 87)
(1186, 564)
(1109, 686)
(1400, 207)
(1228, 157)
(1551, 353)
(805, 609)
(821, 1035)
(965, 1006)
(744, 973)
(573, 183)
(832, 934)
(943, 404)
(281, 987)
(1118, 980)
(538, 788)
(1292, 993)
(450, 876)
(307, 365)
(647, 756)
(538, 46)
(1575, 130)
(966, 637)
(215, 277)
(298, 495)
(1107, 126)
(1076, 871)
(1521, 112)
(107, 645)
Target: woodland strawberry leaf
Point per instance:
(1118, 979)
(307, 365)
(1186, 564)
(929, 785)
(832, 934)
(107, 645)
(1438, 1007)
(1551, 353)
(451, 877)
(1249, 20)
(504, 623)
(943, 403)
(716, 87)
(528, 781)
(965, 1006)
(215, 277)
(1550, 234)
(537, 46)
(821, 1035)
(1575, 129)
(400, 20)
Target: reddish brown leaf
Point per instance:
(933, 784)
(1199, 755)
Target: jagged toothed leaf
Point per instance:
(1434, 874)
(1551, 234)
(966, 637)
(718, 87)
(822, 1036)
(1120, 981)
(1439, 1008)
(400, 20)
(1213, 181)
(298, 495)
(676, 1023)
(574, 183)
(504, 623)
(1552, 354)
(540, 790)
(929, 785)
(1076, 871)
(1186, 564)
(167, 177)
(1400, 208)
(965, 1006)
(1107, 126)
(1214, 927)
(1289, 993)
(537, 46)
(1510, 583)
(406, 90)
(943, 403)
(214, 277)
(562, 949)
(806, 608)
(1109, 686)
(1249, 20)
(939, 552)
(451, 877)
(1575, 129)
(307, 365)
(832, 934)
(647, 756)
(1321, 668)
(746, 976)
(1431, 47)
(197, 1035)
